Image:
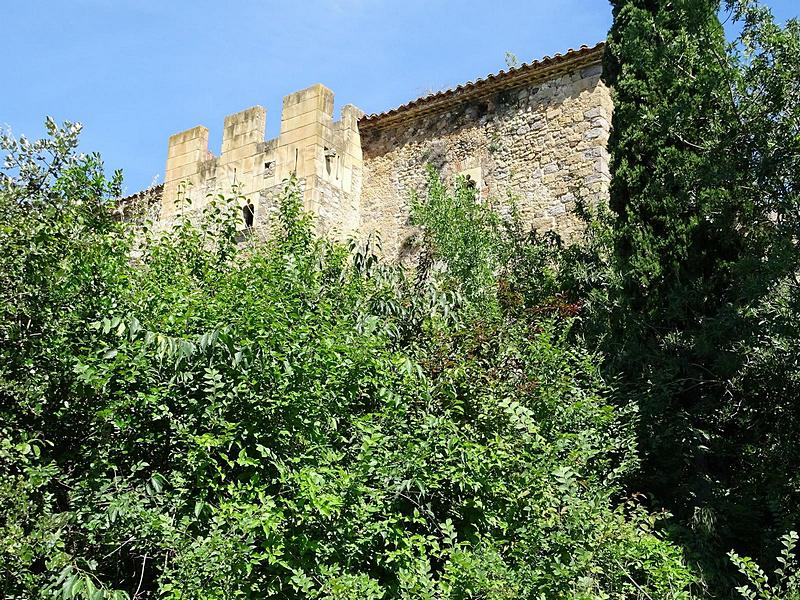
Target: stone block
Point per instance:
(592, 71)
(243, 128)
(350, 115)
(543, 224)
(185, 142)
(191, 155)
(181, 172)
(190, 134)
(239, 153)
(593, 113)
(316, 99)
(295, 136)
(595, 133)
(590, 179)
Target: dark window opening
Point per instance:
(248, 214)
(329, 156)
(483, 109)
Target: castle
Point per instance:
(536, 133)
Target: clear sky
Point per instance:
(136, 71)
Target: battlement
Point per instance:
(536, 133)
(325, 155)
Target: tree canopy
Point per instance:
(197, 412)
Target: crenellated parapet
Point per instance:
(532, 141)
(324, 155)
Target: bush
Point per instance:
(188, 418)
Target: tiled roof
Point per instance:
(538, 70)
(151, 194)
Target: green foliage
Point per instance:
(184, 414)
(457, 227)
(787, 577)
(512, 62)
(702, 291)
(185, 417)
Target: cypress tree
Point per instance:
(665, 63)
(699, 253)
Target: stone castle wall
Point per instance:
(541, 145)
(324, 155)
(535, 137)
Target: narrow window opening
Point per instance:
(248, 214)
(330, 156)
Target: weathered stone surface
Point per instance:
(540, 145)
(324, 155)
(540, 151)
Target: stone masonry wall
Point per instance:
(534, 137)
(324, 155)
(542, 144)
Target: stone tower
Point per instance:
(533, 137)
(324, 155)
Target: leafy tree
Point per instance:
(786, 583)
(183, 417)
(703, 301)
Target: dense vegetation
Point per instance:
(703, 322)
(187, 415)
(212, 421)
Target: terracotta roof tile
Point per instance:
(520, 75)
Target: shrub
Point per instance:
(198, 419)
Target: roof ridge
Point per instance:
(514, 75)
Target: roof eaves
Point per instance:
(526, 73)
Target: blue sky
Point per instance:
(136, 71)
